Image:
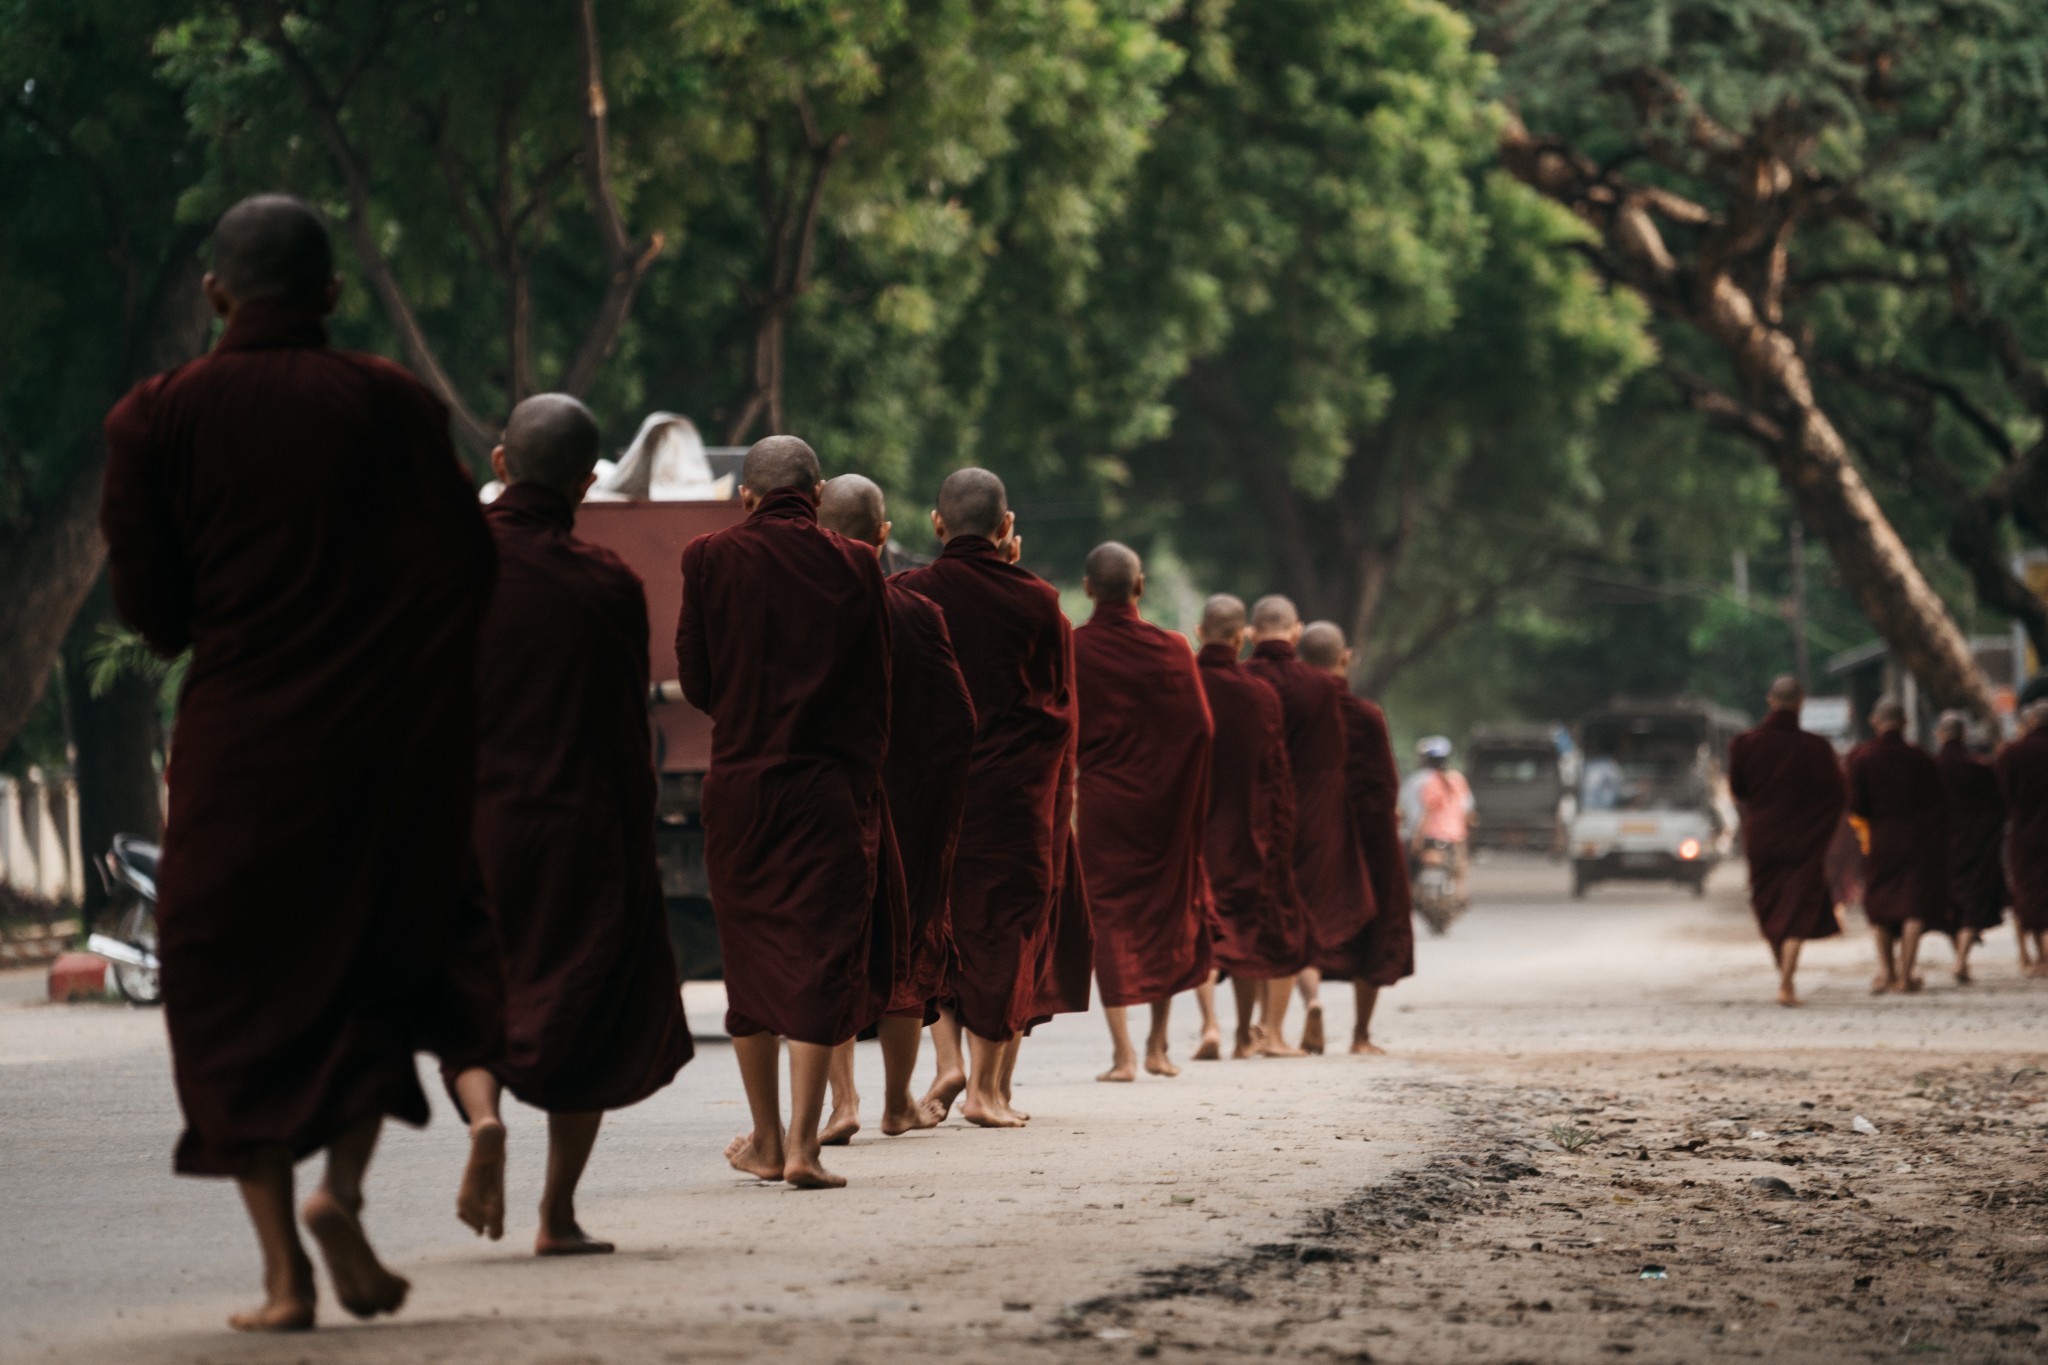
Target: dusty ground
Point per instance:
(1581, 1093)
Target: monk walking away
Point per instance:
(1018, 906)
(931, 743)
(1326, 863)
(1976, 838)
(565, 825)
(1895, 788)
(784, 642)
(296, 517)
(1382, 954)
(1141, 807)
(2022, 769)
(1258, 923)
(1789, 787)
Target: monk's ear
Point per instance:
(583, 488)
(217, 295)
(747, 498)
(882, 533)
(1138, 586)
(939, 526)
(1008, 528)
(498, 466)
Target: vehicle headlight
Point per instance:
(1689, 850)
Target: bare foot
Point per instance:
(1246, 1044)
(839, 1130)
(749, 1157)
(1278, 1047)
(921, 1115)
(1121, 1071)
(1912, 985)
(1963, 977)
(289, 1308)
(1366, 1047)
(989, 1115)
(945, 1091)
(480, 1202)
(1211, 1049)
(1311, 1032)
(362, 1284)
(1880, 985)
(1158, 1064)
(574, 1242)
(1788, 997)
(808, 1173)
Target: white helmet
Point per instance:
(1436, 746)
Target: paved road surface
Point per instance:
(107, 1256)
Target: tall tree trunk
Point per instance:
(117, 737)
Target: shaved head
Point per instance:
(852, 505)
(1274, 615)
(551, 440)
(1888, 714)
(777, 462)
(1114, 572)
(973, 502)
(1952, 725)
(1786, 694)
(1223, 616)
(1321, 644)
(272, 246)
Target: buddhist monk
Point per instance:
(1895, 787)
(2023, 781)
(1383, 953)
(784, 642)
(295, 517)
(1976, 834)
(1259, 924)
(1788, 785)
(1011, 872)
(931, 741)
(1141, 807)
(1326, 862)
(565, 816)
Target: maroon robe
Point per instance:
(565, 819)
(1258, 922)
(1896, 788)
(1976, 835)
(1383, 952)
(1020, 915)
(931, 742)
(2023, 782)
(295, 516)
(1142, 804)
(1326, 863)
(1789, 786)
(784, 642)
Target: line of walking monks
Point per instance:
(1937, 843)
(412, 793)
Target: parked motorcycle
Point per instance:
(1435, 886)
(128, 870)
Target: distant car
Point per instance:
(1653, 798)
(1521, 779)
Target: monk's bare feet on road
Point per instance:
(1273, 1045)
(1366, 1047)
(1160, 1065)
(809, 1173)
(569, 1241)
(1125, 1069)
(361, 1283)
(1963, 977)
(480, 1203)
(749, 1157)
(289, 1307)
(1881, 985)
(945, 1091)
(923, 1114)
(987, 1115)
(1788, 998)
(1247, 1043)
(1912, 985)
(839, 1130)
(1311, 1033)
(1211, 1049)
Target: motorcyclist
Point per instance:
(1445, 814)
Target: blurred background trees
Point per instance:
(1513, 335)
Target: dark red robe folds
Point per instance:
(1259, 924)
(296, 517)
(1976, 836)
(1142, 805)
(931, 742)
(784, 642)
(1383, 952)
(2023, 782)
(1789, 786)
(1016, 893)
(1326, 863)
(565, 819)
(1896, 787)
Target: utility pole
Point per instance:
(1800, 663)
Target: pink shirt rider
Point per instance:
(1446, 798)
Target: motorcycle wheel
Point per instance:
(138, 985)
